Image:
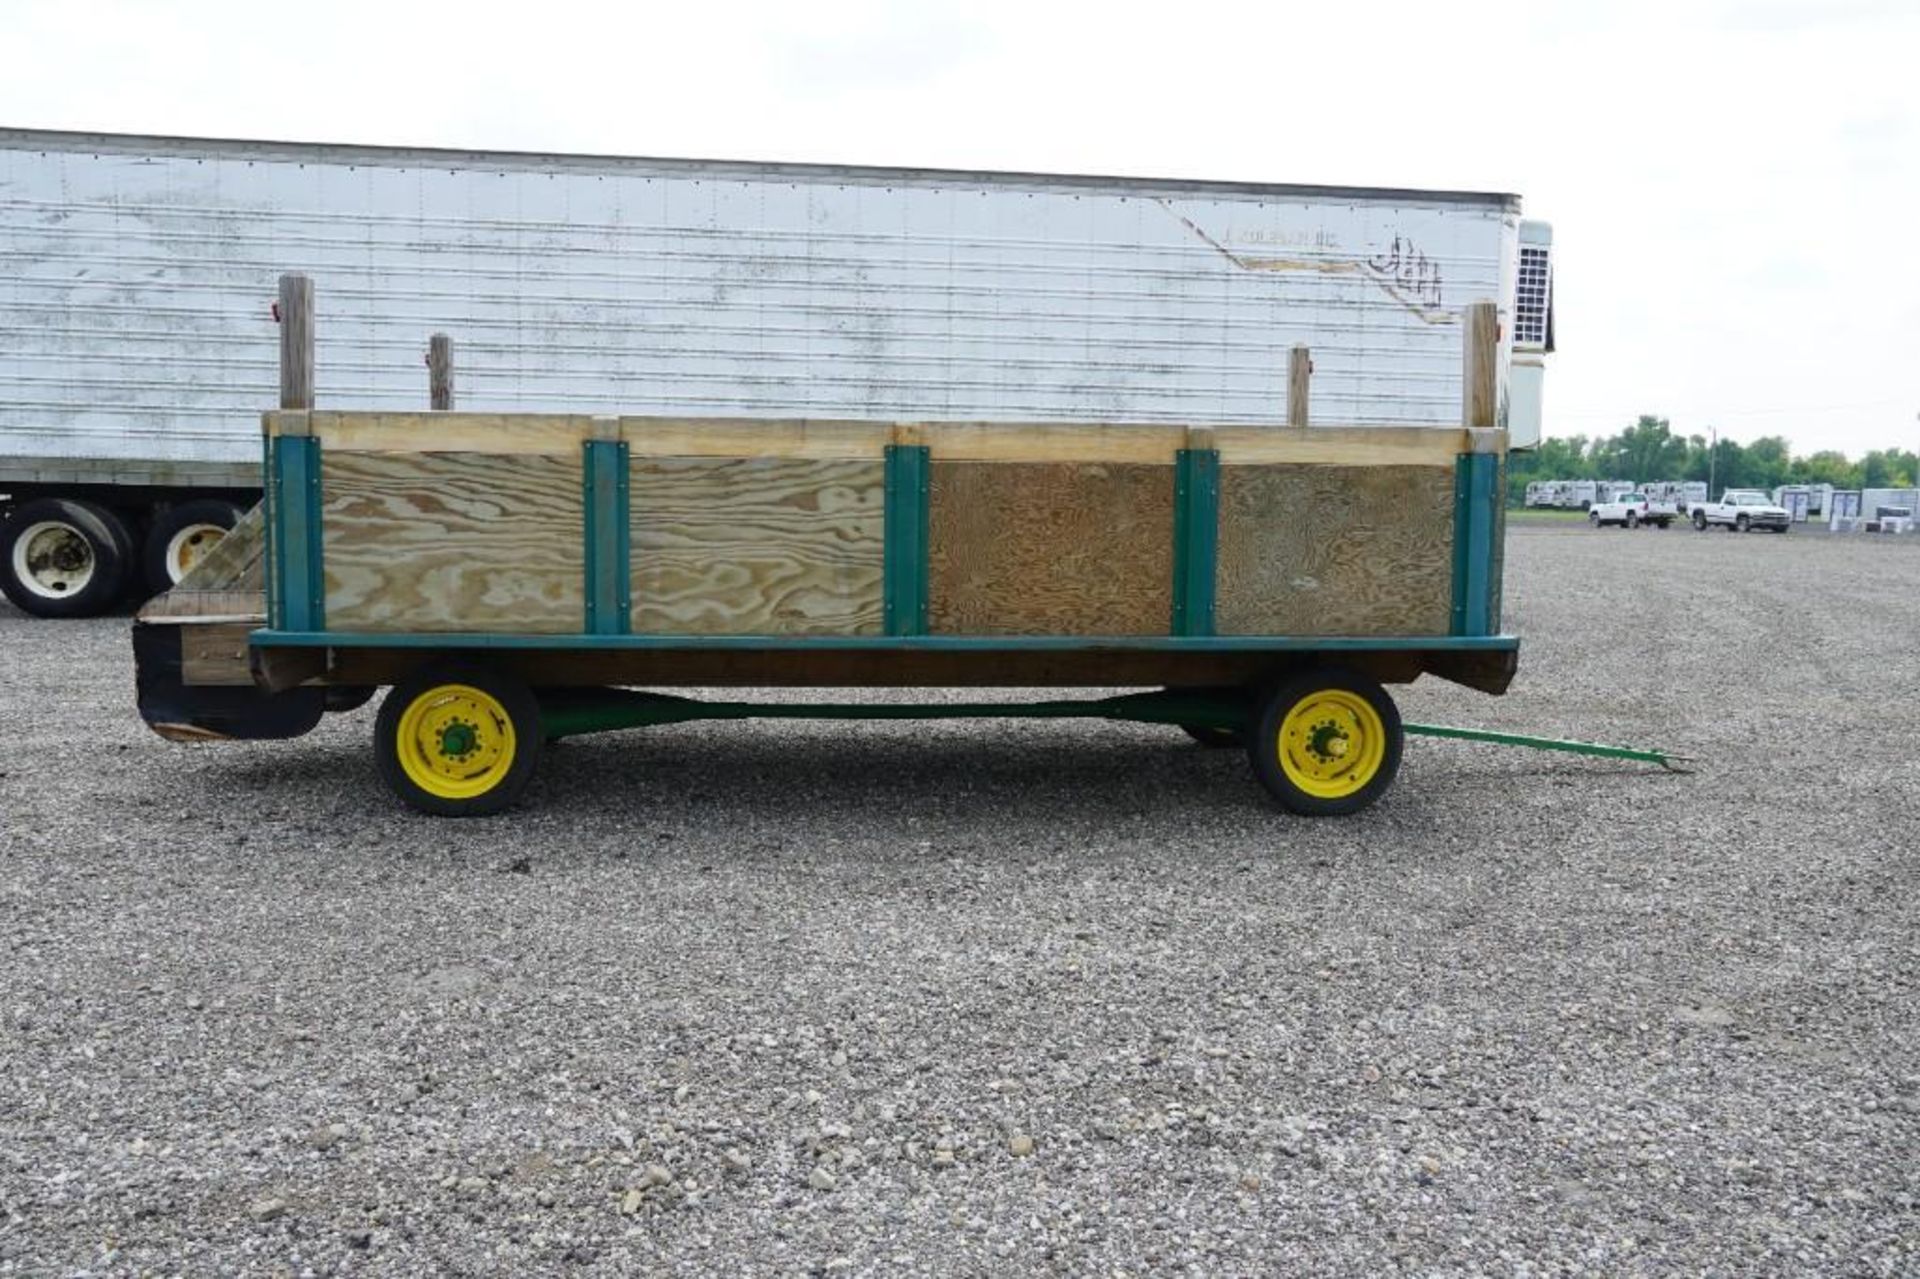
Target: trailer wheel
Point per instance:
(63, 558)
(1327, 743)
(1213, 737)
(181, 536)
(458, 740)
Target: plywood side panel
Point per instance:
(1050, 549)
(757, 546)
(1335, 550)
(452, 542)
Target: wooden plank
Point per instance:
(1045, 441)
(440, 373)
(520, 434)
(1341, 445)
(296, 342)
(1050, 548)
(1480, 392)
(1299, 378)
(453, 542)
(207, 606)
(757, 545)
(753, 437)
(1335, 550)
(215, 654)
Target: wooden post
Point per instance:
(440, 372)
(1480, 385)
(1299, 373)
(296, 342)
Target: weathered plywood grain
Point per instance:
(757, 546)
(554, 434)
(1050, 549)
(452, 542)
(1335, 550)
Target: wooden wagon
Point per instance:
(519, 578)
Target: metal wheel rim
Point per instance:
(53, 560)
(189, 546)
(1332, 743)
(455, 741)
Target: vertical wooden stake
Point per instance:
(296, 342)
(1299, 373)
(1480, 381)
(440, 372)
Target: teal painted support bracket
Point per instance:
(904, 576)
(1196, 539)
(293, 494)
(609, 538)
(272, 574)
(1476, 516)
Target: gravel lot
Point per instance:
(1020, 997)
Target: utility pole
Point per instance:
(1713, 448)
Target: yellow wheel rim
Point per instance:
(455, 741)
(1332, 743)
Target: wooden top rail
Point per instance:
(562, 434)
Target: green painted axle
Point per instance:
(568, 713)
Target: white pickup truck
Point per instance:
(1630, 510)
(1739, 510)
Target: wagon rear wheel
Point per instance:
(458, 740)
(1327, 742)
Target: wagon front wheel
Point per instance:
(458, 741)
(1327, 743)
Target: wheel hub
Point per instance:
(189, 546)
(1332, 743)
(53, 560)
(459, 739)
(456, 741)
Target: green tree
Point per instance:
(1768, 460)
(1826, 467)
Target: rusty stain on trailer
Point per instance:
(1403, 273)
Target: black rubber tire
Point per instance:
(1263, 743)
(523, 714)
(1215, 738)
(107, 540)
(1741, 524)
(1699, 522)
(1632, 520)
(153, 556)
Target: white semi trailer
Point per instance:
(137, 274)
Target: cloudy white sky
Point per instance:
(1733, 183)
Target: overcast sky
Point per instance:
(1734, 184)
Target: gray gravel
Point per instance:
(1003, 997)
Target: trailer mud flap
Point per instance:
(185, 712)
